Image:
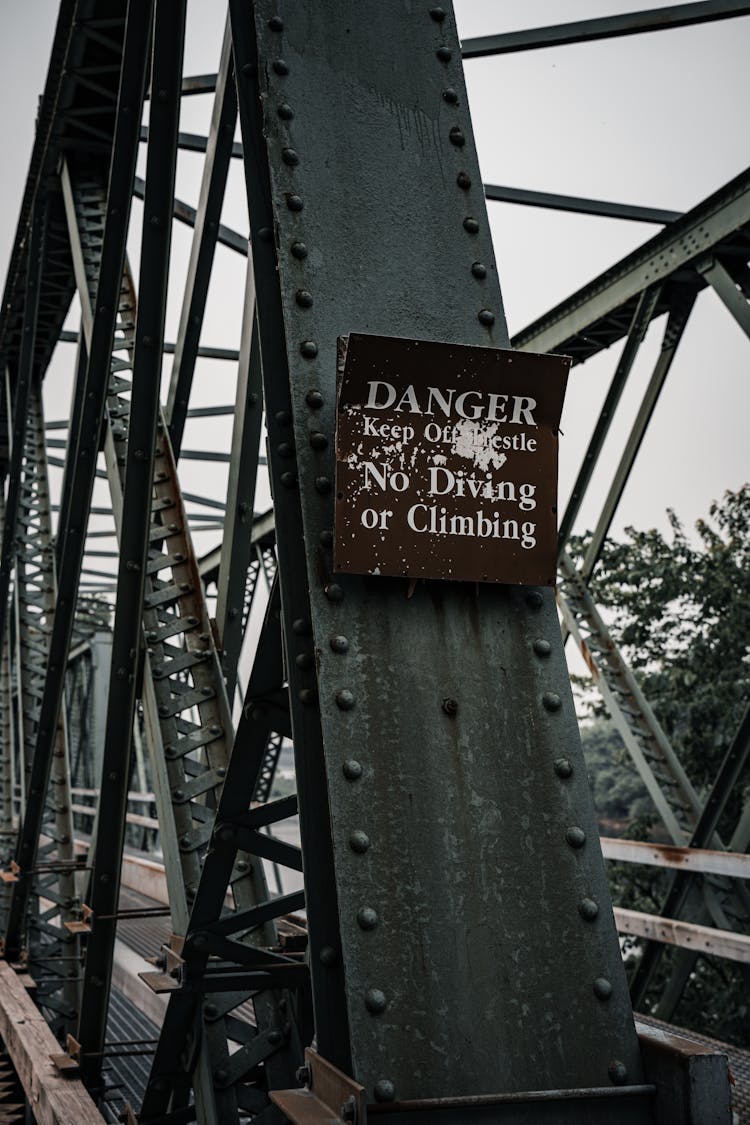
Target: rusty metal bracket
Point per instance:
(329, 1096)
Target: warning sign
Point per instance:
(446, 460)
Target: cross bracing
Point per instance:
(219, 656)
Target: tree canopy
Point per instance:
(678, 605)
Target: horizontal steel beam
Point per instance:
(579, 204)
(205, 352)
(698, 860)
(686, 935)
(193, 142)
(608, 27)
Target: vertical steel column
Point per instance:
(84, 445)
(676, 322)
(237, 546)
(207, 217)
(18, 408)
(479, 947)
(166, 80)
(52, 951)
(638, 328)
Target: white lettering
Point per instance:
(372, 399)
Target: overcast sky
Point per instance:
(650, 119)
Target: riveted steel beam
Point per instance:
(639, 325)
(205, 231)
(21, 390)
(395, 763)
(166, 75)
(237, 546)
(82, 455)
(600, 313)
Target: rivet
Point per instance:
(294, 202)
(471, 225)
(437, 14)
(602, 988)
(486, 317)
(588, 909)
(450, 95)
(314, 400)
(318, 440)
(367, 918)
(326, 538)
(575, 836)
(450, 707)
(289, 156)
(301, 626)
(339, 644)
(345, 699)
(303, 298)
(328, 956)
(375, 1001)
(303, 660)
(618, 1072)
(352, 770)
(534, 600)
(542, 647)
(276, 23)
(265, 234)
(308, 349)
(384, 1090)
(563, 767)
(285, 449)
(285, 111)
(444, 54)
(299, 250)
(359, 841)
(551, 701)
(334, 593)
(308, 696)
(283, 417)
(289, 480)
(280, 66)
(463, 180)
(456, 137)
(479, 270)
(323, 485)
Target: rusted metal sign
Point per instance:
(446, 460)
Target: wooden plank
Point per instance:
(54, 1099)
(687, 935)
(733, 864)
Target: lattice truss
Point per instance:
(199, 663)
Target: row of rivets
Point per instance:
(575, 836)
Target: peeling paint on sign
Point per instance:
(446, 460)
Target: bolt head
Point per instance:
(552, 701)
(352, 770)
(339, 644)
(471, 226)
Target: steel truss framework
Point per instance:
(384, 843)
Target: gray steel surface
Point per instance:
(449, 918)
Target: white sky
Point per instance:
(652, 119)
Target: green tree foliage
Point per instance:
(678, 605)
